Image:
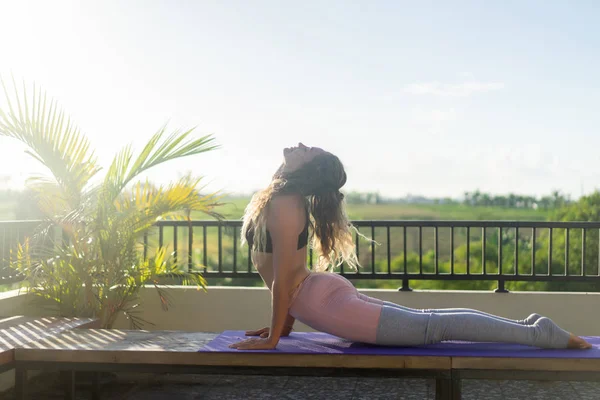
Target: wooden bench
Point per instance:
(177, 352)
(19, 330)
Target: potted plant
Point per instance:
(93, 267)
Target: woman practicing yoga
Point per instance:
(304, 196)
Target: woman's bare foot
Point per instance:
(575, 342)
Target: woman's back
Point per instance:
(291, 209)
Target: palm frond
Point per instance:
(157, 151)
(133, 315)
(51, 199)
(50, 137)
(141, 207)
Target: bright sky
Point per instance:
(429, 97)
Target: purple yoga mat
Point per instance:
(322, 343)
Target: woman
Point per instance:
(276, 226)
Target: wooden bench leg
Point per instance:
(456, 388)
(20, 383)
(68, 381)
(96, 386)
(443, 389)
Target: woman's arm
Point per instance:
(289, 324)
(264, 332)
(285, 222)
(266, 275)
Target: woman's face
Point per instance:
(296, 157)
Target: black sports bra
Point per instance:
(302, 239)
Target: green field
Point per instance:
(234, 208)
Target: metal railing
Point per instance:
(501, 251)
(498, 251)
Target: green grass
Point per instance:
(441, 212)
(232, 208)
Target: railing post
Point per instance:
(145, 246)
(501, 288)
(405, 285)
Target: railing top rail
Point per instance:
(21, 221)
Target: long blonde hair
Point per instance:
(319, 182)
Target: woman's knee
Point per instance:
(399, 327)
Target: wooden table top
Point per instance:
(109, 346)
(17, 331)
(182, 348)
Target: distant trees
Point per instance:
(363, 198)
(553, 201)
(475, 199)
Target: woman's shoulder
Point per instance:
(286, 209)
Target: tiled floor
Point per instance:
(225, 387)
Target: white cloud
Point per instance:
(452, 90)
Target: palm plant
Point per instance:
(94, 266)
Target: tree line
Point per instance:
(476, 198)
(553, 201)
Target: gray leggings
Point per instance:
(403, 326)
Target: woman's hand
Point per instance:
(254, 344)
(264, 332)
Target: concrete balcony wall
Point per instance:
(240, 308)
(17, 302)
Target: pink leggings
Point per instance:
(329, 303)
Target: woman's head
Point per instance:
(309, 171)
(318, 176)
(295, 157)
